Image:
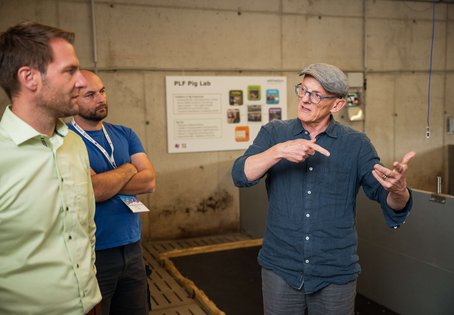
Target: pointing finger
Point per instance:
(320, 149)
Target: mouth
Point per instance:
(102, 107)
(305, 108)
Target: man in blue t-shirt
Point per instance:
(120, 169)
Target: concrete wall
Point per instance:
(139, 42)
(411, 269)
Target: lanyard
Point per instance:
(110, 157)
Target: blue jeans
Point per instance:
(281, 299)
(122, 279)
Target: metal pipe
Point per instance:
(93, 26)
(439, 185)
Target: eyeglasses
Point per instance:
(315, 98)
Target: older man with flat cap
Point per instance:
(314, 167)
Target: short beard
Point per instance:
(94, 116)
(56, 102)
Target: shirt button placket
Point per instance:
(308, 215)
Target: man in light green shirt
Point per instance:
(47, 230)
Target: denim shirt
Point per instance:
(310, 238)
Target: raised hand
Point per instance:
(394, 180)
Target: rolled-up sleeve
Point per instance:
(375, 191)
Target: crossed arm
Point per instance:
(137, 177)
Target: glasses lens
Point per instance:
(315, 98)
(301, 92)
(298, 90)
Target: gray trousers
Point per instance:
(281, 299)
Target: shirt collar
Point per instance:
(332, 130)
(20, 132)
(297, 127)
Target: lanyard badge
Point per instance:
(84, 134)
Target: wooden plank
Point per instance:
(181, 310)
(198, 294)
(210, 248)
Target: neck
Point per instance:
(89, 125)
(315, 128)
(41, 121)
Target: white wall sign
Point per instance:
(221, 113)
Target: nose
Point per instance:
(81, 82)
(100, 97)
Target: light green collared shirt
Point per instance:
(47, 229)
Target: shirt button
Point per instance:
(77, 265)
(61, 180)
(70, 237)
(67, 208)
(306, 261)
(306, 132)
(311, 169)
(307, 238)
(307, 215)
(309, 192)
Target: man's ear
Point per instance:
(338, 105)
(28, 78)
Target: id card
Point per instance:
(133, 203)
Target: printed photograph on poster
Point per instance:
(242, 134)
(207, 113)
(254, 113)
(253, 93)
(274, 113)
(236, 97)
(233, 115)
(272, 96)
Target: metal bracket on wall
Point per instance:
(437, 198)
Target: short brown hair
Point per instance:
(26, 44)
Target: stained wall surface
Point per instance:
(134, 44)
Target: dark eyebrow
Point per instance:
(71, 68)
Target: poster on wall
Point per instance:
(214, 113)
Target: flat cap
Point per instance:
(330, 77)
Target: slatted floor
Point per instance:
(167, 295)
